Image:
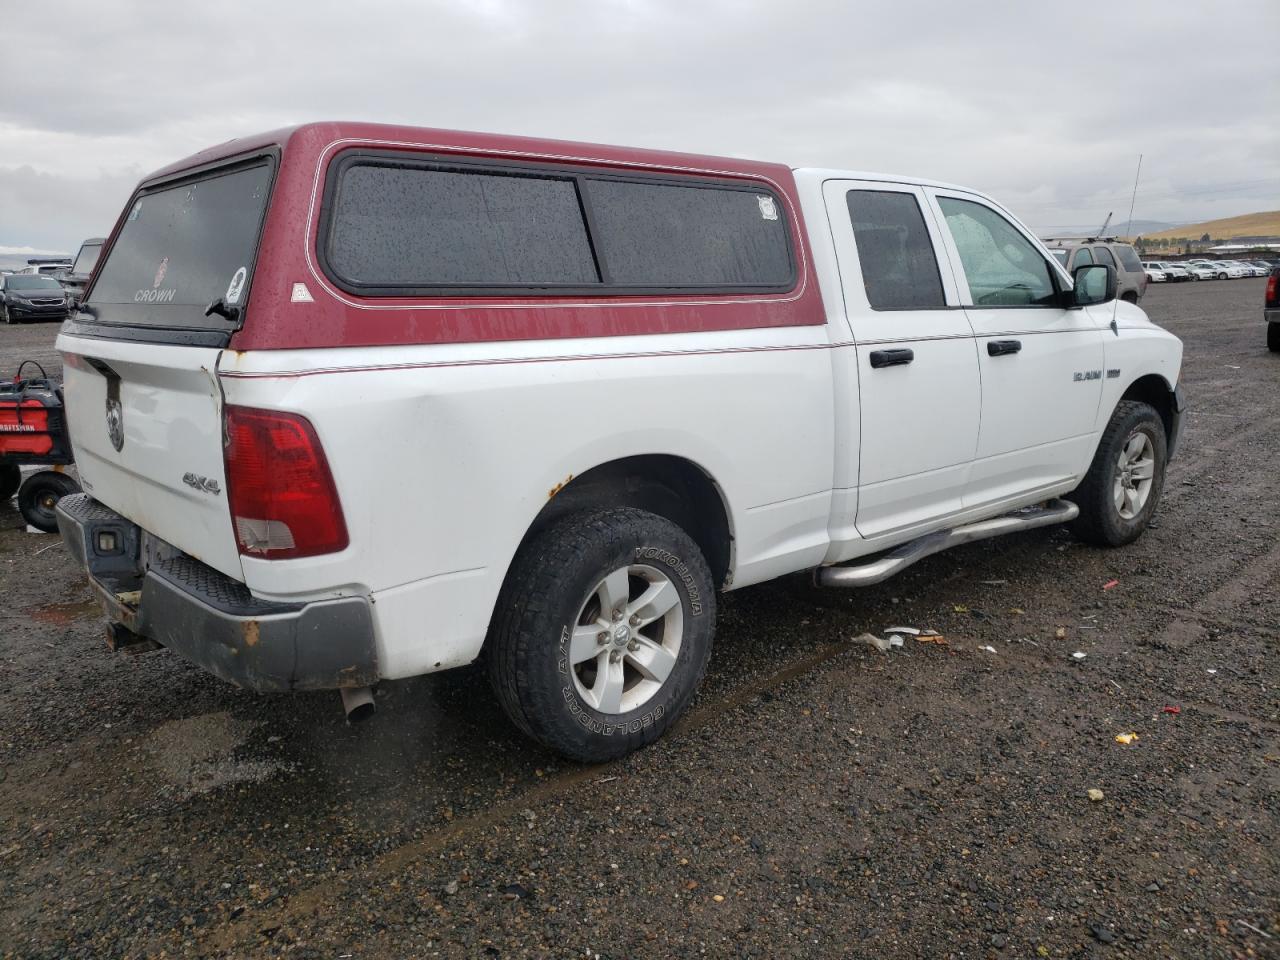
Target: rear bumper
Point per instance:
(212, 620)
(1271, 314)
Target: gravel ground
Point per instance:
(822, 799)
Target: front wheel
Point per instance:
(1119, 494)
(1222, 276)
(39, 495)
(602, 632)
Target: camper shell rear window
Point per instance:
(398, 225)
(186, 243)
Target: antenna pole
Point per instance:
(1128, 227)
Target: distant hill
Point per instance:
(1247, 225)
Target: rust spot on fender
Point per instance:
(250, 630)
(559, 486)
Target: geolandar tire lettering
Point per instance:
(602, 633)
(1121, 491)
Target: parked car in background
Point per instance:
(76, 279)
(1171, 270)
(1155, 274)
(1271, 310)
(1073, 252)
(1223, 270)
(47, 267)
(29, 296)
(1252, 269)
(1199, 271)
(621, 381)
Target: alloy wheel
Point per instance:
(1135, 473)
(626, 639)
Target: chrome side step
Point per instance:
(899, 558)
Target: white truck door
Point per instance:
(914, 354)
(1042, 364)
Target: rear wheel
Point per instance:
(39, 495)
(1273, 337)
(1120, 492)
(1222, 276)
(602, 632)
(10, 480)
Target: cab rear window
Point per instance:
(184, 246)
(397, 226)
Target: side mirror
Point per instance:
(1094, 283)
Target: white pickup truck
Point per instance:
(353, 402)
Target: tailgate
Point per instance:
(146, 426)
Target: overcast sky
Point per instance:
(1044, 105)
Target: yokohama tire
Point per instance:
(1101, 521)
(548, 596)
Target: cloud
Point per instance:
(1045, 109)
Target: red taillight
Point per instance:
(1273, 293)
(283, 501)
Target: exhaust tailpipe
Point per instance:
(358, 703)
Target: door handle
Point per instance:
(892, 358)
(998, 348)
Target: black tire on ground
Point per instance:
(40, 493)
(1273, 337)
(552, 577)
(1131, 297)
(8, 317)
(10, 481)
(1100, 522)
(1222, 276)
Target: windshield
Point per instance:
(31, 281)
(182, 247)
(86, 258)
